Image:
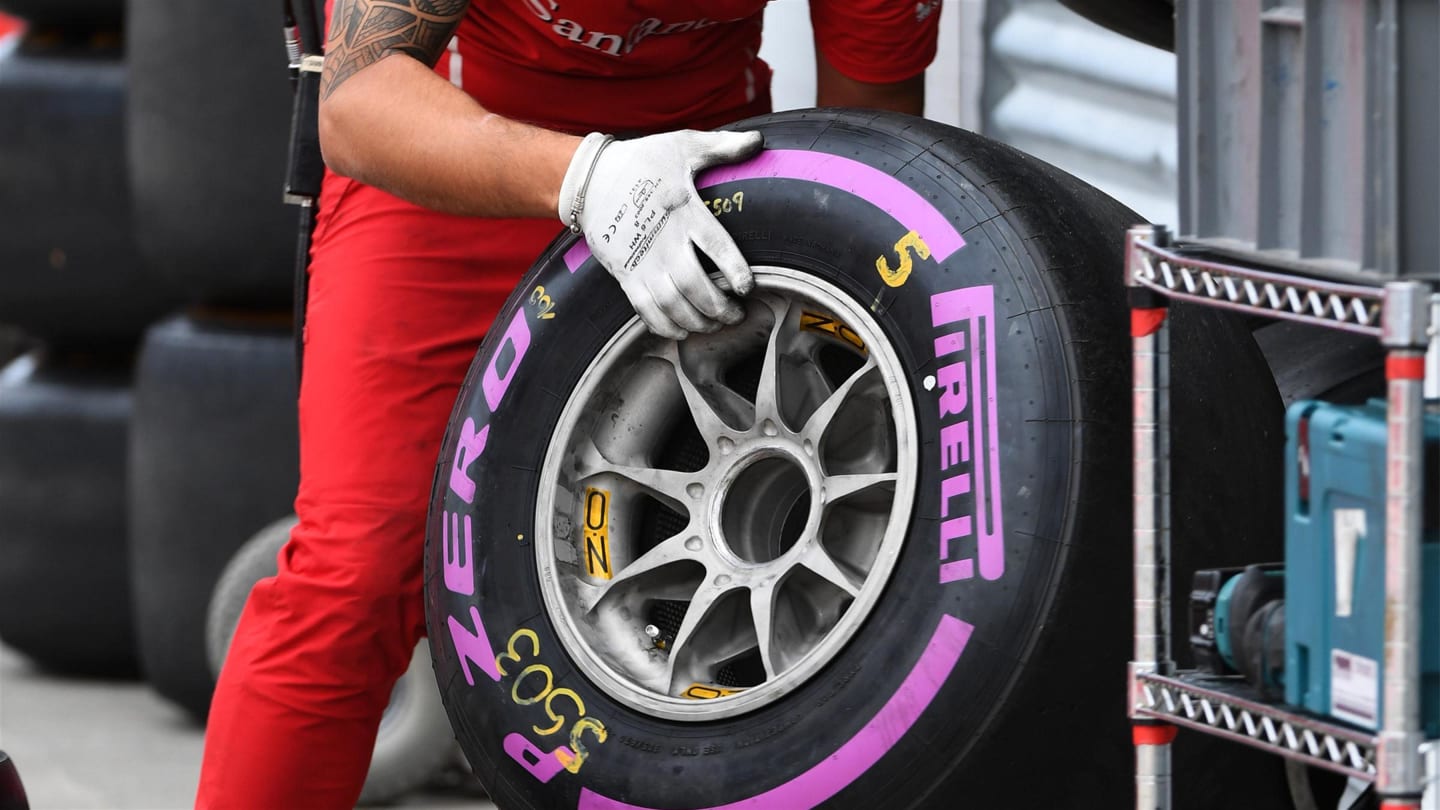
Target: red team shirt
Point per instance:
(646, 65)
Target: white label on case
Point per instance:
(1349, 527)
(1355, 688)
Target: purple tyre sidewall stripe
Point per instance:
(893, 197)
(868, 745)
(951, 635)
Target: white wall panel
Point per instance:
(1095, 103)
(952, 84)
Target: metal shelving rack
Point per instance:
(1400, 314)
(1308, 192)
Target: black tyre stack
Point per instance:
(147, 401)
(213, 454)
(74, 298)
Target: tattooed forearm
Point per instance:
(364, 31)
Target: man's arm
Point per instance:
(388, 120)
(835, 89)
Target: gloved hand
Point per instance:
(636, 203)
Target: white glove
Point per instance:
(636, 203)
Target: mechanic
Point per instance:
(456, 133)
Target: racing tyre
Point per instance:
(1149, 21)
(213, 459)
(207, 149)
(1316, 362)
(63, 428)
(69, 265)
(415, 741)
(106, 14)
(869, 547)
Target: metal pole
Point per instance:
(1399, 780)
(1151, 530)
(1432, 355)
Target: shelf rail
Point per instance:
(1172, 273)
(1205, 703)
(1400, 316)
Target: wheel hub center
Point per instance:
(766, 507)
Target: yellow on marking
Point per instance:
(834, 327)
(702, 691)
(898, 276)
(597, 533)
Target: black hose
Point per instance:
(308, 16)
(304, 26)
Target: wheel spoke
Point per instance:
(669, 486)
(762, 610)
(840, 487)
(723, 650)
(820, 420)
(708, 414)
(767, 394)
(701, 603)
(670, 551)
(808, 384)
(819, 561)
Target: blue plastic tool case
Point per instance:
(1335, 563)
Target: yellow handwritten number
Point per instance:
(513, 654)
(581, 726)
(898, 276)
(560, 718)
(540, 299)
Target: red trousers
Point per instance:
(399, 300)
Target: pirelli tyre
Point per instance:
(1315, 362)
(207, 149)
(869, 547)
(70, 269)
(213, 459)
(414, 743)
(1149, 21)
(63, 428)
(91, 14)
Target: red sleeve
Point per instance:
(876, 41)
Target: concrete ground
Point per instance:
(115, 745)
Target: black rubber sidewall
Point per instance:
(64, 558)
(207, 148)
(213, 458)
(70, 269)
(73, 13)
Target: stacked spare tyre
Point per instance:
(869, 547)
(74, 298)
(213, 456)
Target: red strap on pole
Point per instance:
(1161, 734)
(1404, 368)
(1145, 321)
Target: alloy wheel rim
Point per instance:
(717, 517)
